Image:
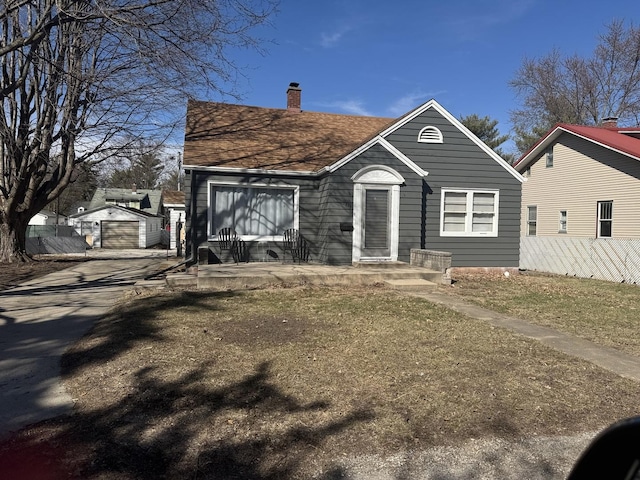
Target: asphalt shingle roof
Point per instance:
(173, 197)
(151, 204)
(238, 136)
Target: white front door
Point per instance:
(376, 214)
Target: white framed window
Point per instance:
(549, 157)
(605, 219)
(469, 213)
(532, 220)
(562, 227)
(255, 212)
(430, 134)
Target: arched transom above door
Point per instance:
(378, 174)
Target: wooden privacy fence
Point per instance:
(613, 259)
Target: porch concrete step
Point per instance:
(184, 280)
(260, 274)
(380, 265)
(411, 284)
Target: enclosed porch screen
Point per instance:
(252, 211)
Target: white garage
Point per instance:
(117, 227)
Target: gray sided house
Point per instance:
(358, 189)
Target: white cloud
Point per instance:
(410, 101)
(352, 107)
(503, 12)
(329, 40)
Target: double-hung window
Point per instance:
(562, 228)
(605, 219)
(471, 213)
(532, 220)
(254, 212)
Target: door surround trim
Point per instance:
(376, 176)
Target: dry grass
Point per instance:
(606, 313)
(279, 383)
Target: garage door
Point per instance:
(120, 234)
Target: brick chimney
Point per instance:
(294, 97)
(134, 188)
(609, 122)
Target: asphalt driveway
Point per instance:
(40, 319)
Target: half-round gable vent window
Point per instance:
(430, 134)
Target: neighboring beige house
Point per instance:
(581, 202)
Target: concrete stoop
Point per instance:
(243, 276)
(411, 284)
(184, 280)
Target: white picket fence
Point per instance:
(616, 260)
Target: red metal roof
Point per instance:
(625, 140)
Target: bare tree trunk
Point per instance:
(13, 241)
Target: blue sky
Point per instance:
(383, 58)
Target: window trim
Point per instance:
(532, 222)
(468, 231)
(561, 221)
(549, 157)
(600, 219)
(213, 236)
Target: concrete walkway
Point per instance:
(40, 319)
(618, 362)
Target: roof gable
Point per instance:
(149, 199)
(432, 104)
(378, 140)
(135, 211)
(623, 140)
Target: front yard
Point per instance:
(282, 383)
(603, 312)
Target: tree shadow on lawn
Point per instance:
(181, 427)
(153, 434)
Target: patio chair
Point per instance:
(289, 239)
(301, 250)
(296, 245)
(226, 237)
(239, 251)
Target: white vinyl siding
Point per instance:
(576, 183)
(469, 213)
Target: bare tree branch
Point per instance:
(580, 90)
(78, 76)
